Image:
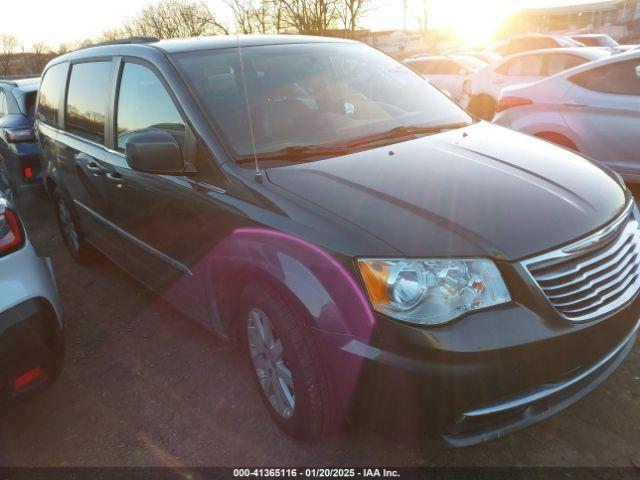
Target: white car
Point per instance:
(482, 89)
(602, 40)
(593, 109)
(447, 72)
(31, 338)
(486, 56)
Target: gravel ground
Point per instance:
(145, 386)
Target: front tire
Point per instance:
(483, 106)
(286, 365)
(72, 234)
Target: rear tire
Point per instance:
(305, 408)
(72, 234)
(483, 106)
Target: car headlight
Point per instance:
(432, 291)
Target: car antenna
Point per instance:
(258, 174)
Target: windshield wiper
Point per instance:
(305, 152)
(405, 131)
(299, 152)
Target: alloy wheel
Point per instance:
(68, 226)
(271, 369)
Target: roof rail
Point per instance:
(124, 41)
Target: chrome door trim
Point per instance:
(165, 258)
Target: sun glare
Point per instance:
(471, 20)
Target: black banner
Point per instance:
(224, 473)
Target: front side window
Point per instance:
(87, 95)
(621, 78)
(470, 63)
(448, 67)
(144, 104)
(560, 62)
(50, 91)
(425, 67)
(309, 95)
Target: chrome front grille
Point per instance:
(595, 276)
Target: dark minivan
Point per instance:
(379, 253)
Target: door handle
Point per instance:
(574, 105)
(94, 168)
(115, 177)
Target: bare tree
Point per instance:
(350, 12)
(174, 18)
(8, 45)
(243, 14)
(256, 16)
(110, 35)
(310, 16)
(63, 48)
(37, 58)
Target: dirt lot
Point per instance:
(145, 386)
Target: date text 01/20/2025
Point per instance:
(316, 472)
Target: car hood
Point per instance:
(479, 191)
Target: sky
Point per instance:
(64, 21)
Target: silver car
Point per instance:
(31, 329)
(593, 109)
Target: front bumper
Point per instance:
(479, 378)
(507, 415)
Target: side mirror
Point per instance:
(463, 71)
(155, 151)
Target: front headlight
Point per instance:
(432, 291)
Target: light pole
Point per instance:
(404, 15)
(425, 14)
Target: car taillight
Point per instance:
(28, 173)
(22, 134)
(10, 231)
(509, 102)
(28, 378)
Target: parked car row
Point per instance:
(448, 72)
(364, 239)
(31, 330)
(482, 89)
(593, 109)
(521, 59)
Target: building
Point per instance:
(396, 42)
(617, 18)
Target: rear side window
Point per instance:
(560, 62)
(448, 67)
(528, 66)
(144, 104)
(621, 78)
(87, 99)
(50, 90)
(526, 44)
(425, 67)
(29, 103)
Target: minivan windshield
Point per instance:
(314, 100)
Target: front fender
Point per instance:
(325, 287)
